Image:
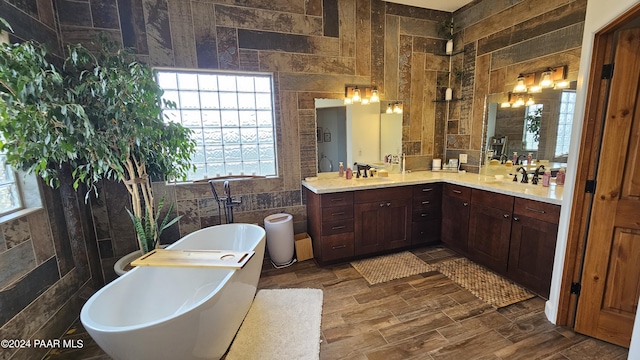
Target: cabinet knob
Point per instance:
(515, 218)
(465, 204)
(506, 216)
(388, 204)
(381, 204)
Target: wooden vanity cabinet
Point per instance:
(455, 217)
(490, 229)
(330, 224)
(533, 242)
(426, 216)
(382, 219)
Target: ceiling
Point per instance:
(444, 5)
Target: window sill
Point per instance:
(18, 214)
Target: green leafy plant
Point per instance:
(99, 117)
(149, 231)
(532, 122)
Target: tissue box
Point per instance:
(304, 248)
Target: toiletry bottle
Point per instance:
(546, 178)
(341, 170)
(349, 173)
(561, 176)
(514, 159)
(529, 158)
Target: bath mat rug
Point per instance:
(281, 324)
(483, 283)
(390, 267)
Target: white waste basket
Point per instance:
(280, 241)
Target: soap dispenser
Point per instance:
(546, 178)
(562, 173)
(349, 173)
(514, 159)
(341, 169)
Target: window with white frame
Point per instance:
(232, 118)
(565, 122)
(531, 138)
(10, 199)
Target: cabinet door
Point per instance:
(455, 223)
(533, 245)
(369, 237)
(489, 236)
(397, 223)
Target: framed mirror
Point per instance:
(355, 133)
(542, 129)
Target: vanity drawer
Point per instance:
(430, 190)
(337, 227)
(337, 247)
(537, 210)
(399, 192)
(431, 203)
(336, 199)
(426, 232)
(492, 200)
(457, 191)
(426, 215)
(337, 213)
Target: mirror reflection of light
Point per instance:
(374, 96)
(389, 109)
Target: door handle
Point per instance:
(425, 202)
(337, 199)
(338, 227)
(457, 191)
(338, 247)
(338, 213)
(425, 190)
(424, 215)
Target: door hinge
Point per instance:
(575, 288)
(590, 187)
(607, 71)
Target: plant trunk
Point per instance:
(139, 187)
(79, 222)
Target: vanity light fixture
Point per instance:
(360, 94)
(389, 109)
(530, 101)
(505, 104)
(562, 84)
(545, 81)
(518, 102)
(524, 81)
(535, 89)
(552, 76)
(397, 108)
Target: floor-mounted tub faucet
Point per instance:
(227, 201)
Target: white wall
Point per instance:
(599, 14)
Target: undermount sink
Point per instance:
(371, 179)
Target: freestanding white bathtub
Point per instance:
(178, 313)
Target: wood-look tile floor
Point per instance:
(424, 316)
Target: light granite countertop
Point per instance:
(332, 183)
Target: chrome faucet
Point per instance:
(536, 174)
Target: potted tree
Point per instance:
(98, 117)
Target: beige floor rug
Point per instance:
(281, 324)
(390, 267)
(483, 283)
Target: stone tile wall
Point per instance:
(502, 39)
(314, 48)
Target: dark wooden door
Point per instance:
(455, 223)
(533, 245)
(611, 277)
(369, 237)
(489, 235)
(397, 223)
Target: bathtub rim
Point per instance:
(87, 320)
